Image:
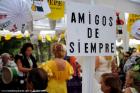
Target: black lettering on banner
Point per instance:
(106, 47)
(56, 2)
(49, 1)
(81, 18)
(93, 48)
(100, 47)
(79, 46)
(104, 20)
(89, 33)
(72, 47)
(112, 47)
(89, 18)
(96, 33)
(60, 3)
(97, 19)
(73, 18)
(110, 21)
(86, 47)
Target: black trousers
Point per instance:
(74, 85)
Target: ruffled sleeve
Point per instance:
(47, 68)
(51, 68)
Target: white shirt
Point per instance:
(9, 64)
(30, 62)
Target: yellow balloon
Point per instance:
(19, 36)
(8, 36)
(39, 37)
(27, 35)
(62, 35)
(48, 38)
(55, 38)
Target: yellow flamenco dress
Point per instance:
(57, 78)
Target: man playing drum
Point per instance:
(5, 61)
(7, 67)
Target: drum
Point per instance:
(8, 74)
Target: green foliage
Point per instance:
(12, 46)
(45, 50)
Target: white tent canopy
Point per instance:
(14, 15)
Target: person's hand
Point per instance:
(29, 69)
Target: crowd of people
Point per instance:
(121, 76)
(62, 74)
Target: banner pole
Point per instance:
(88, 67)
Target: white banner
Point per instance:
(40, 8)
(91, 30)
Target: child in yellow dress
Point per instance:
(59, 70)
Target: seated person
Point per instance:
(37, 79)
(5, 60)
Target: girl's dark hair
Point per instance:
(25, 46)
(114, 83)
(39, 78)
